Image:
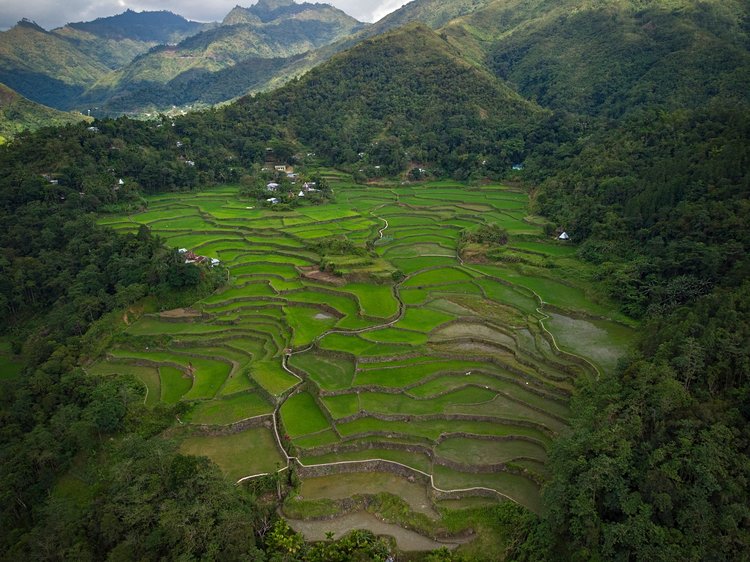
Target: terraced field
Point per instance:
(457, 376)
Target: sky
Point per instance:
(54, 13)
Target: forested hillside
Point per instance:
(632, 124)
(18, 114)
(116, 40)
(44, 67)
(236, 57)
(399, 98)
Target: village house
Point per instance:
(272, 200)
(192, 257)
(273, 186)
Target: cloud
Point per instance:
(386, 7)
(53, 13)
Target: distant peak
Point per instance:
(26, 22)
(273, 4)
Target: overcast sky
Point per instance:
(55, 13)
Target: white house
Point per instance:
(273, 186)
(272, 200)
(301, 194)
(564, 236)
(280, 168)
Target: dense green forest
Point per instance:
(654, 190)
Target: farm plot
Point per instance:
(398, 351)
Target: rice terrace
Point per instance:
(441, 377)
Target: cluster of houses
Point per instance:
(273, 187)
(192, 257)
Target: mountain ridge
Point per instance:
(19, 114)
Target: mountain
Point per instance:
(117, 40)
(611, 58)
(433, 13)
(149, 27)
(267, 30)
(55, 67)
(19, 114)
(399, 97)
(45, 67)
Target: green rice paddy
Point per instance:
(452, 367)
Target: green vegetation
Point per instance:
(229, 410)
(441, 324)
(330, 372)
(302, 416)
(237, 337)
(19, 114)
(238, 455)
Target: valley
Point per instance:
(474, 277)
(456, 376)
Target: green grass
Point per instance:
(556, 249)
(247, 453)
(415, 297)
(317, 439)
(342, 405)
(149, 376)
(330, 372)
(518, 488)
(272, 377)
(414, 460)
(422, 319)
(432, 429)
(395, 336)
(248, 291)
(440, 276)
(302, 416)
(398, 404)
(399, 376)
(174, 384)
(518, 391)
(601, 341)
(239, 381)
(461, 449)
(209, 376)
(284, 271)
(347, 306)
(269, 306)
(358, 346)
(307, 324)
(551, 291)
(412, 265)
(229, 410)
(521, 299)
